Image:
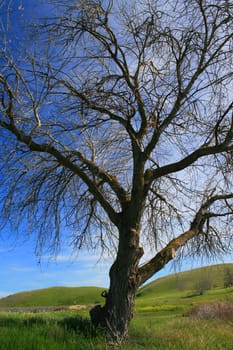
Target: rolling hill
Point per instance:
(186, 281)
(179, 288)
(180, 291)
(54, 296)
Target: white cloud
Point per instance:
(4, 294)
(88, 258)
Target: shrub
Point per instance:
(202, 285)
(216, 310)
(228, 277)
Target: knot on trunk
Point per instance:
(98, 316)
(104, 294)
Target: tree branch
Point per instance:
(168, 252)
(105, 176)
(151, 175)
(67, 163)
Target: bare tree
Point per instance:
(228, 277)
(203, 284)
(117, 124)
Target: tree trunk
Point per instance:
(118, 310)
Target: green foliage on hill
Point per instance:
(55, 296)
(177, 292)
(186, 281)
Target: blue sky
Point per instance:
(21, 271)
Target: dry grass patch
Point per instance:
(211, 311)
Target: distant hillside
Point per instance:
(172, 289)
(55, 296)
(184, 283)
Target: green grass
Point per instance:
(179, 333)
(68, 331)
(48, 331)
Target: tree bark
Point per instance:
(116, 314)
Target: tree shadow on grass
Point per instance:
(20, 322)
(79, 325)
(75, 324)
(193, 295)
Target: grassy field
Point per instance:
(149, 330)
(166, 318)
